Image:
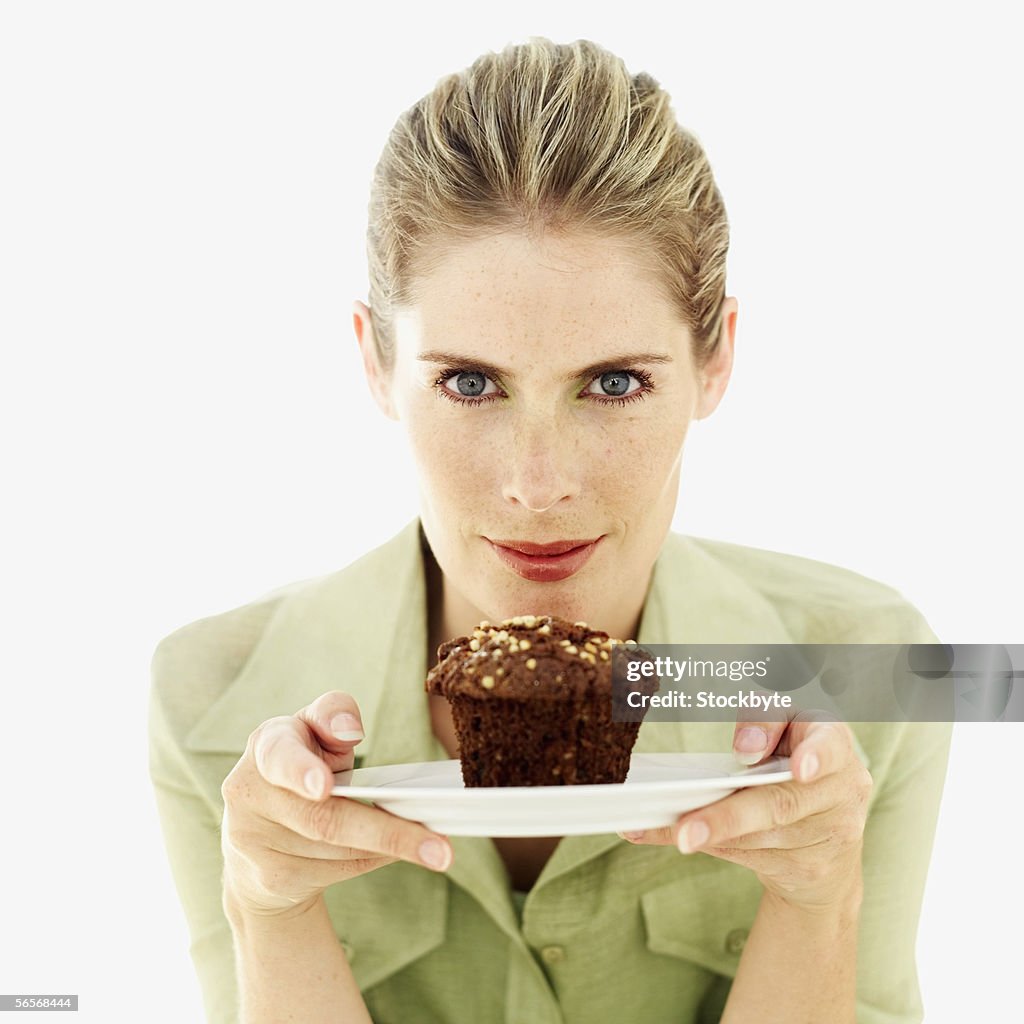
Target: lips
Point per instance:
(557, 547)
(544, 563)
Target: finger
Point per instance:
(290, 843)
(341, 828)
(793, 837)
(817, 743)
(335, 721)
(342, 822)
(742, 819)
(295, 845)
(331, 829)
(820, 748)
(754, 740)
(798, 834)
(777, 836)
(753, 810)
(301, 753)
(287, 755)
(649, 837)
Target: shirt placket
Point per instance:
(529, 998)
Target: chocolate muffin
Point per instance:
(531, 702)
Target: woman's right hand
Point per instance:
(284, 838)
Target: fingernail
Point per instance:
(633, 837)
(750, 745)
(313, 780)
(346, 727)
(435, 854)
(692, 835)
(810, 768)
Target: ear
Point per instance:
(715, 377)
(376, 376)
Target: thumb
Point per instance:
(754, 741)
(336, 728)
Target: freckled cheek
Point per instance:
(454, 463)
(651, 447)
(629, 471)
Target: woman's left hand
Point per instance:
(803, 838)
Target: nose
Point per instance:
(541, 465)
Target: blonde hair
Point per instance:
(547, 137)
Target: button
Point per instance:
(552, 954)
(736, 940)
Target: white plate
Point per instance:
(658, 789)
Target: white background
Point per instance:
(183, 192)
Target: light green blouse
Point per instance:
(610, 932)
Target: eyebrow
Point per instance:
(621, 362)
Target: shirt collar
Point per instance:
(361, 630)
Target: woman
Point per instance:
(547, 318)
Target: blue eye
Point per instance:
(471, 384)
(615, 383)
(618, 386)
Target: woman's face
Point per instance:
(547, 387)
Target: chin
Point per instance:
(542, 599)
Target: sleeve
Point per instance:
(191, 831)
(898, 840)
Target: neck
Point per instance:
(450, 614)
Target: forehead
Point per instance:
(509, 286)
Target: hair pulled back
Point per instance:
(546, 137)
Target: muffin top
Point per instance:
(536, 656)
